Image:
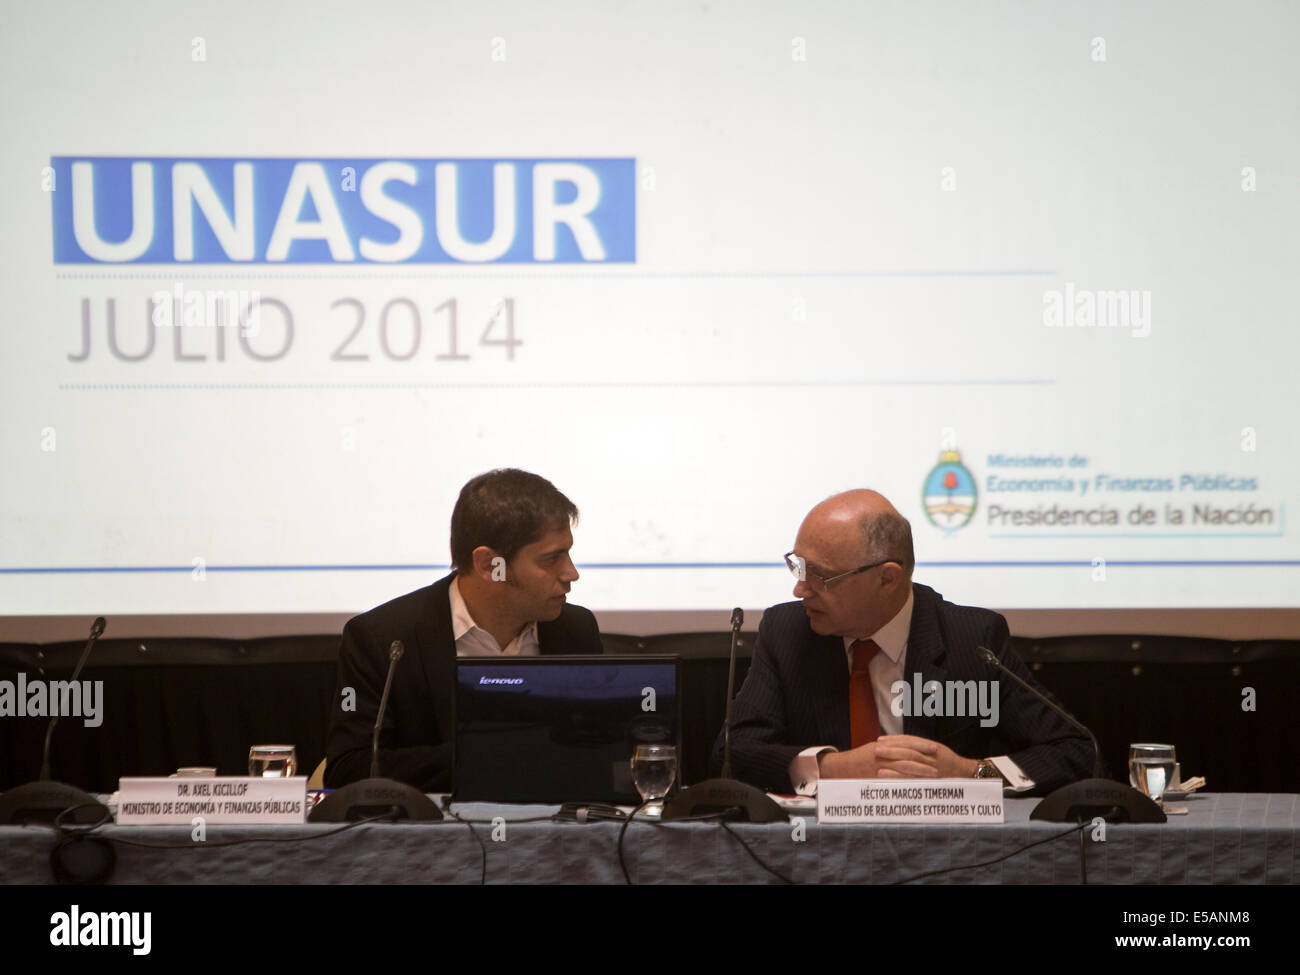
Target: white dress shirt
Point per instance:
(885, 668)
(474, 641)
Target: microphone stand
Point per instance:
(736, 800)
(377, 796)
(1088, 798)
(45, 801)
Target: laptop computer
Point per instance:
(553, 729)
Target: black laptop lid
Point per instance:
(559, 728)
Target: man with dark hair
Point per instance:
(511, 532)
(832, 687)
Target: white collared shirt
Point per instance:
(474, 641)
(885, 668)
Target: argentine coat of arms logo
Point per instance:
(949, 496)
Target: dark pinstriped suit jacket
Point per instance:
(797, 694)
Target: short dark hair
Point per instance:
(888, 537)
(505, 510)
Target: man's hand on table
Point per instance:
(897, 757)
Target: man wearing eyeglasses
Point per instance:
(823, 697)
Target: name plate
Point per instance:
(225, 800)
(909, 801)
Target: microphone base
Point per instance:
(42, 802)
(1112, 801)
(376, 797)
(746, 803)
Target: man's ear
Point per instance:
(891, 574)
(485, 561)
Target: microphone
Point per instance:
(395, 651)
(990, 658)
(47, 801)
(96, 631)
(737, 620)
(1088, 798)
(375, 795)
(725, 796)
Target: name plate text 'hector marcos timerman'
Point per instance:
(909, 801)
(221, 800)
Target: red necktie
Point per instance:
(864, 723)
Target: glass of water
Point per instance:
(654, 767)
(272, 761)
(1151, 769)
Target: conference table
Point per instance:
(1227, 838)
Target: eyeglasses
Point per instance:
(799, 569)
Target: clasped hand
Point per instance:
(897, 757)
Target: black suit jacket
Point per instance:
(417, 739)
(797, 694)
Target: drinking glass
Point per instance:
(272, 761)
(1151, 769)
(654, 767)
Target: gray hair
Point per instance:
(888, 538)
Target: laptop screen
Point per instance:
(559, 728)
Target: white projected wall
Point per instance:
(280, 278)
